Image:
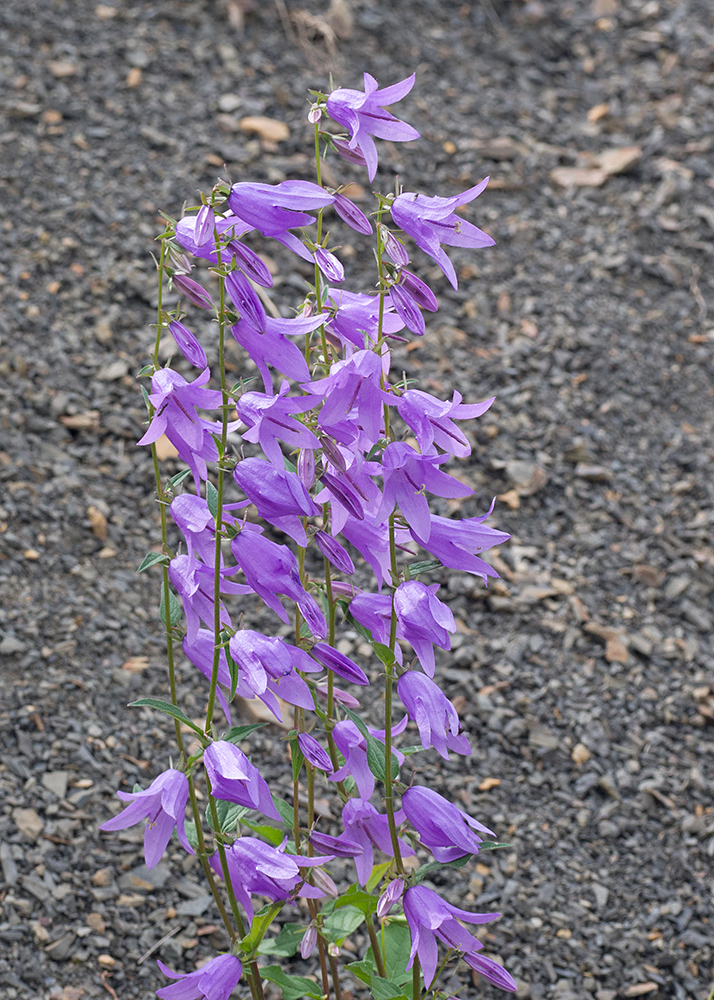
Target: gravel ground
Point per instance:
(586, 675)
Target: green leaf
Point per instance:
(153, 559)
(298, 758)
(293, 987)
(271, 833)
(237, 733)
(229, 813)
(259, 925)
(175, 611)
(397, 946)
(289, 465)
(491, 845)
(376, 875)
(434, 866)
(384, 653)
(212, 499)
(234, 672)
(356, 896)
(385, 989)
(191, 834)
(169, 709)
(285, 810)
(147, 401)
(146, 370)
(285, 944)
(424, 566)
(179, 478)
(341, 923)
(363, 970)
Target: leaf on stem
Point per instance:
(212, 499)
(237, 733)
(174, 608)
(153, 559)
(285, 944)
(169, 709)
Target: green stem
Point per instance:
(376, 948)
(203, 857)
(389, 679)
(335, 977)
(416, 979)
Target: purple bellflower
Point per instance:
(353, 216)
(279, 496)
(353, 396)
(432, 221)
(188, 345)
(234, 779)
(258, 867)
(272, 348)
(334, 552)
(424, 620)
(436, 718)
(353, 747)
(162, 805)
(431, 419)
(406, 475)
(197, 524)
(445, 829)
(270, 419)
(368, 828)
(259, 658)
(340, 847)
(246, 300)
(429, 917)
(362, 112)
(313, 753)
(456, 543)
(356, 319)
(338, 663)
(330, 265)
(407, 309)
(272, 569)
(273, 209)
(215, 980)
(200, 653)
(194, 582)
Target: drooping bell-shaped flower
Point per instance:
(424, 620)
(273, 209)
(215, 980)
(353, 400)
(162, 805)
(356, 318)
(363, 113)
(436, 718)
(338, 663)
(353, 216)
(433, 221)
(353, 747)
(234, 779)
(457, 544)
(271, 419)
(271, 348)
(279, 496)
(445, 829)
(432, 420)
(368, 828)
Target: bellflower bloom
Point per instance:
(259, 658)
(352, 410)
(273, 209)
(424, 620)
(188, 234)
(456, 543)
(200, 653)
(429, 917)
(279, 496)
(270, 347)
(432, 221)
(436, 718)
(356, 317)
(194, 582)
(246, 300)
(374, 612)
(353, 747)
(193, 291)
(340, 847)
(188, 344)
(442, 827)
(307, 945)
(406, 475)
(197, 524)
(272, 569)
(270, 419)
(255, 866)
(368, 828)
(364, 115)
(431, 419)
(162, 805)
(215, 980)
(314, 753)
(234, 779)
(371, 539)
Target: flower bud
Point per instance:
(389, 897)
(333, 950)
(205, 223)
(333, 454)
(353, 216)
(314, 114)
(193, 291)
(307, 945)
(353, 155)
(306, 467)
(395, 250)
(313, 752)
(323, 881)
(332, 550)
(188, 345)
(340, 696)
(330, 266)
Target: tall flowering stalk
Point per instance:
(338, 460)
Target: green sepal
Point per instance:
(424, 566)
(491, 845)
(292, 987)
(237, 733)
(168, 709)
(146, 370)
(147, 401)
(175, 611)
(179, 478)
(234, 672)
(153, 559)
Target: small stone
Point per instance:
(102, 877)
(593, 473)
(56, 781)
(229, 103)
(268, 129)
(676, 586)
(61, 68)
(28, 822)
(526, 476)
(578, 177)
(194, 907)
(60, 949)
(107, 961)
(10, 645)
(580, 753)
(96, 922)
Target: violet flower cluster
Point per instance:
(326, 459)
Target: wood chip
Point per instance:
(133, 77)
(107, 960)
(87, 421)
(511, 499)
(488, 783)
(639, 989)
(615, 642)
(136, 664)
(617, 161)
(98, 523)
(578, 177)
(268, 129)
(580, 753)
(598, 112)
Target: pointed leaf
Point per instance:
(212, 499)
(169, 709)
(153, 559)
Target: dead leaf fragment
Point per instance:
(598, 112)
(133, 77)
(98, 523)
(60, 68)
(578, 177)
(639, 989)
(580, 754)
(511, 499)
(339, 17)
(268, 129)
(615, 642)
(617, 161)
(87, 421)
(136, 664)
(488, 783)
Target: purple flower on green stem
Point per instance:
(432, 420)
(433, 221)
(272, 569)
(314, 753)
(353, 747)
(368, 828)
(334, 552)
(234, 779)
(353, 216)
(436, 718)
(162, 805)
(273, 209)
(271, 419)
(340, 847)
(363, 113)
(279, 496)
(445, 829)
(259, 658)
(356, 318)
(391, 895)
(407, 475)
(330, 265)
(215, 980)
(188, 344)
(430, 918)
(456, 543)
(338, 663)
(246, 300)
(193, 291)
(200, 652)
(407, 309)
(205, 225)
(353, 398)
(424, 620)
(270, 347)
